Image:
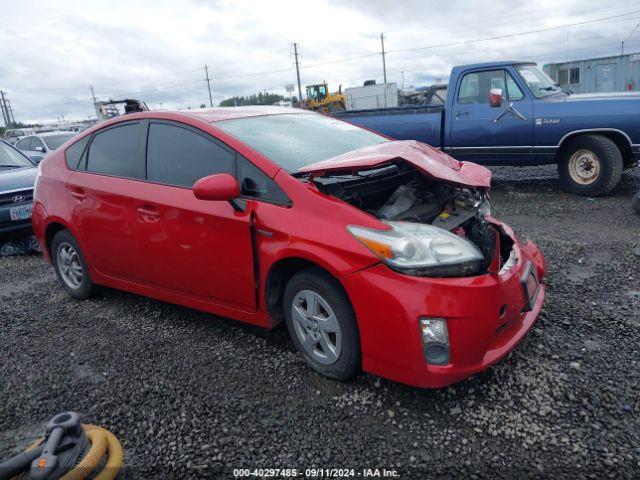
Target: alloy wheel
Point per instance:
(317, 327)
(70, 266)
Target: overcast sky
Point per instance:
(51, 52)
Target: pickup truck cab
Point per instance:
(512, 113)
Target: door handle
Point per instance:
(78, 195)
(148, 214)
(460, 114)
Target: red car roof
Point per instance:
(229, 113)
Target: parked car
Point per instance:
(512, 113)
(12, 135)
(37, 145)
(378, 254)
(17, 177)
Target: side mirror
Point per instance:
(39, 149)
(218, 187)
(495, 97)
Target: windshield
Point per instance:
(295, 140)
(10, 158)
(54, 141)
(538, 82)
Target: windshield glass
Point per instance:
(10, 158)
(538, 82)
(54, 141)
(295, 140)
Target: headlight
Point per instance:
(418, 249)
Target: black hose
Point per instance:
(19, 463)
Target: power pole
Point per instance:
(10, 110)
(4, 114)
(93, 94)
(5, 110)
(630, 35)
(295, 53)
(206, 71)
(384, 65)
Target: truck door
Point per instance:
(501, 133)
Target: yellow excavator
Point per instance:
(319, 99)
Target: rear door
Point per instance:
(196, 247)
(486, 134)
(101, 196)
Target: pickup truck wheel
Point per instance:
(322, 324)
(590, 165)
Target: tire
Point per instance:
(335, 354)
(590, 165)
(71, 267)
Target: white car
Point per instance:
(35, 146)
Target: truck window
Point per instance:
(513, 91)
(475, 86)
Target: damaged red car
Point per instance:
(379, 255)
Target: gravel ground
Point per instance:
(193, 395)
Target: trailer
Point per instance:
(377, 95)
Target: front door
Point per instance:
(491, 134)
(190, 246)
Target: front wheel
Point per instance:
(322, 324)
(590, 165)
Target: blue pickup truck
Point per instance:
(512, 113)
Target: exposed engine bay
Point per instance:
(399, 192)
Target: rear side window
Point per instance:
(73, 155)
(254, 183)
(116, 151)
(179, 156)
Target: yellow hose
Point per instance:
(102, 441)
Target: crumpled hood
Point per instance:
(429, 160)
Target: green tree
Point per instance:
(260, 98)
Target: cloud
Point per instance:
(52, 53)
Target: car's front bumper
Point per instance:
(486, 315)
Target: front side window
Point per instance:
(254, 183)
(294, 140)
(475, 87)
(513, 91)
(54, 141)
(179, 156)
(35, 143)
(116, 151)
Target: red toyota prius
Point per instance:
(379, 255)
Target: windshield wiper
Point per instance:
(9, 166)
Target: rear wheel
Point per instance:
(590, 165)
(321, 323)
(70, 266)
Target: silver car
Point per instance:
(37, 145)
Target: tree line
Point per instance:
(261, 98)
